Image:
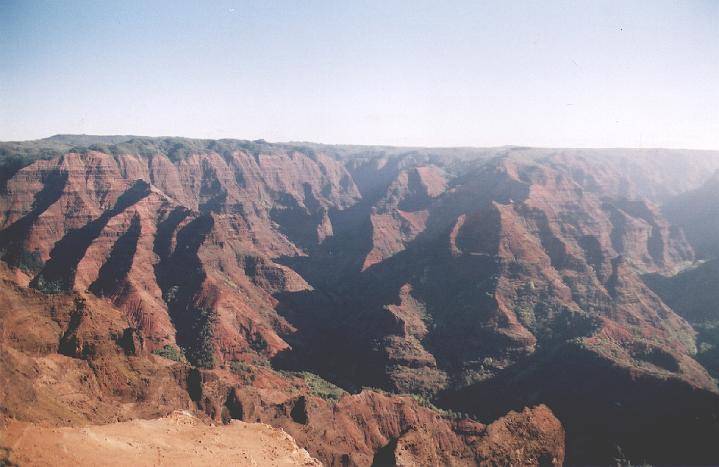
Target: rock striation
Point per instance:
(454, 275)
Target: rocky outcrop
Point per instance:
(371, 428)
(71, 359)
(614, 411)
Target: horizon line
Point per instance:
(375, 145)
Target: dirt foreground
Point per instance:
(179, 439)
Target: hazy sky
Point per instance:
(440, 73)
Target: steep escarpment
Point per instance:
(460, 276)
(696, 212)
(517, 256)
(694, 294)
(111, 224)
(613, 411)
(514, 255)
(365, 428)
(69, 360)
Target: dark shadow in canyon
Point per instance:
(609, 412)
(59, 271)
(118, 264)
(181, 278)
(13, 237)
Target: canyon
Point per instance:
(380, 305)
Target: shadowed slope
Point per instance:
(59, 271)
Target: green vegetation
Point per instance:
(28, 261)
(248, 371)
(15, 155)
(318, 387)
(425, 402)
(49, 287)
(239, 367)
(169, 352)
(200, 352)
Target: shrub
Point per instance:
(30, 261)
(239, 367)
(318, 386)
(48, 287)
(200, 352)
(169, 352)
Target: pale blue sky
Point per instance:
(538, 73)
